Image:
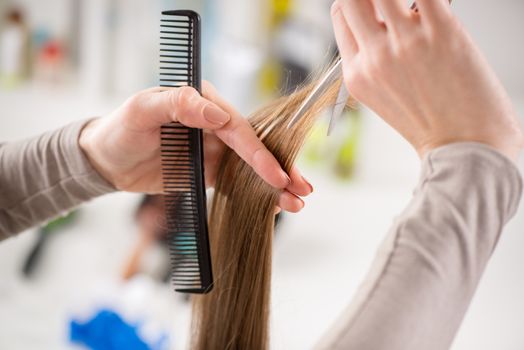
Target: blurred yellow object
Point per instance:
(316, 147)
(338, 152)
(346, 157)
(270, 75)
(280, 10)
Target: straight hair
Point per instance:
(235, 314)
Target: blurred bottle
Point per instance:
(14, 49)
(50, 65)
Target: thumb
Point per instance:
(159, 106)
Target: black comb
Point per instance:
(183, 158)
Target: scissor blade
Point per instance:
(334, 73)
(340, 104)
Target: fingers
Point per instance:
(289, 199)
(213, 151)
(346, 42)
(159, 106)
(290, 202)
(434, 12)
(395, 12)
(298, 185)
(360, 15)
(240, 136)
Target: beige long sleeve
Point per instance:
(428, 268)
(42, 177)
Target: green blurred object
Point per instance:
(347, 153)
(338, 152)
(60, 222)
(317, 146)
(44, 233)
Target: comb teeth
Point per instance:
(177, 35)
(182, 159)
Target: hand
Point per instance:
(421, 72)
(125, 147)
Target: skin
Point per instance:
(124, 147)
(422, 73)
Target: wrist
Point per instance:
(90, 147)
(509, 142)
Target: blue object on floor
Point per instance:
(107, 331)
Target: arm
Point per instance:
(47, 175)
(427, 269)
(43, 177)
(422, 73)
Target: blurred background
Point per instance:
(100, 272)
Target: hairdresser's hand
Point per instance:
(125, 146)
(421, 72)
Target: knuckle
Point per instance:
(351, 74)
(356, 79)
(181, 98)
(135, 101)
(135, 104)
(357, 83)
(181, 101)
(231, 138)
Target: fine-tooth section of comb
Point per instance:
(183, 158)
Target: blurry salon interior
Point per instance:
(104, 268)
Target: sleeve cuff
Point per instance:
(81, 170)
(473, 157)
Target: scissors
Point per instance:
(343, 94)
(332, 75)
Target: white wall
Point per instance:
(498, 28)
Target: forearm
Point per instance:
(43, 177)
(426, 272)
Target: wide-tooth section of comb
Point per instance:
(182, 159)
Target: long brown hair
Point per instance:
(235, 314)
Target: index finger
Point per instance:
(238, 134)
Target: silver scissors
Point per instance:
(343, 94)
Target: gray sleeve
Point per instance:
(427, 269)
(43, 177)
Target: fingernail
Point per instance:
(309, 184)
(215, 115)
